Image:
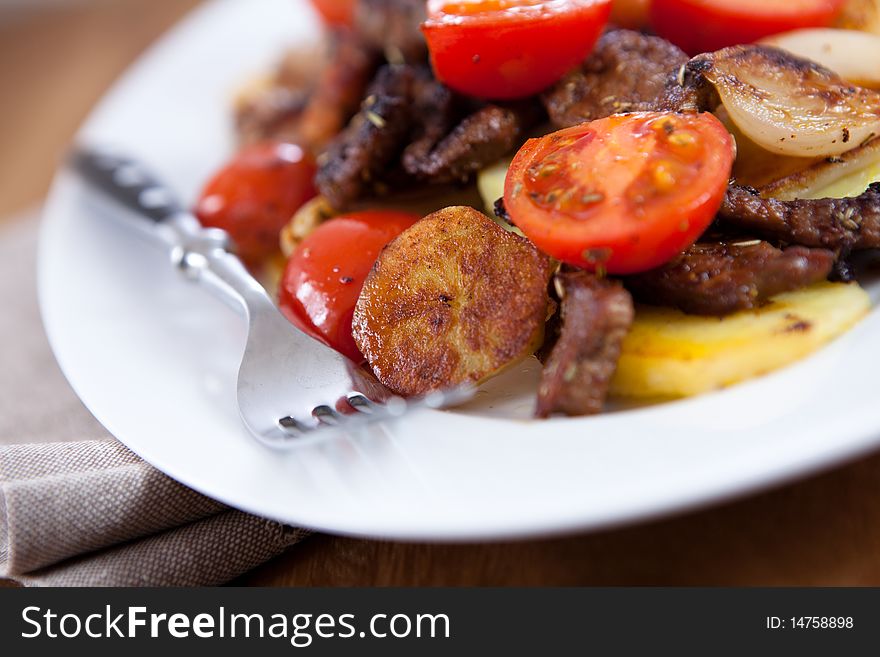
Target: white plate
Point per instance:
(155, 360)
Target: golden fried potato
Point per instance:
(453, 300)
(304, 222)
(670, 354)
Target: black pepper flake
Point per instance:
(501, 212)
(798, 327)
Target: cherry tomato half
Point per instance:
(324, 276)
(698, 26)
(622, 194)
(336, 12)
(255, 195)
(510, 48)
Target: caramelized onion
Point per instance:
(790, 105)
(852, 54)
(812, 181)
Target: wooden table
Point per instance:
(824, 531)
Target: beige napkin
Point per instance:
(76, 507)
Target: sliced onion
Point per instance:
(790, 105)
(853, 55)
(810, 182)
(754, 165)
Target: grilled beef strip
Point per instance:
(479, 139)
(371, 143)
(688, 90)
(722, 278)
(339, 91)
(627, 72)
(436, 110)
(843, 225)
(310, 110)
(596, 315)
(433, 136)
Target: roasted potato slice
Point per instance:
(670, 354)
(453, 300)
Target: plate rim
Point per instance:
(858, 441)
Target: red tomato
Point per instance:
(255, 195)
(324, 276)
(510, 48)
(336, 12)
(622, 194)
(698, 26)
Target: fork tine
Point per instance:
(327, 416)
(361, 403)
(293, 425)
(366, 412)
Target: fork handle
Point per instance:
(202, 254)
(127, 182)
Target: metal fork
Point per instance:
(289, 384)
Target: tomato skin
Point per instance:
(698, 26)
(623, 194)
(336, 12)
(324, 276)
(255, 194)
(495, 53)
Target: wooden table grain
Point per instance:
(821, 531)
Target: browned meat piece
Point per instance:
(373, 140)
(411, 127)
(271, 108)
(627, 72)
(392, 26)
(721, 278)
(843, 224)
(339, 91)
(596, 316)
(311, 95)
(436, 111)
(481, 138)
(688, 90)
